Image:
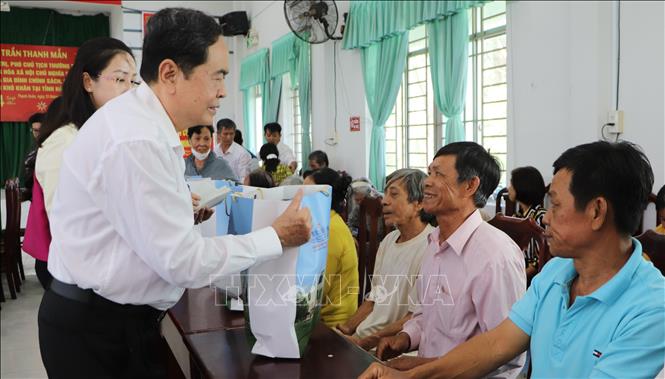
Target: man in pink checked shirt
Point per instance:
(471, 273)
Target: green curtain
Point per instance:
(371, 21)
(38, 27)
(282, 51)
(448, 53)
(303, 66)
(383, 66)
(254, 70)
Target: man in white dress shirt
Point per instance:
(235, 155)
(273, 133)
(124, 247)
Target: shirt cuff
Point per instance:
(267, 244)
(410, 327)
(520, 322)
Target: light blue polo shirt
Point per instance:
(617, 331)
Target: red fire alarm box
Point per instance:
(354, 122)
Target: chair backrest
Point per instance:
(640, 229)
(370, 220)
(653, 244)
(523, 231)
(13, 207)
(502, 197)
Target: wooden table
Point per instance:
(210, 341)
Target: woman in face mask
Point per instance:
(103, 69)
(203, 162)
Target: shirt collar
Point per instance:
(461, 235)
(610, 291)
(145, 93)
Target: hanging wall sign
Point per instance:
(354, 123)
(31, 76)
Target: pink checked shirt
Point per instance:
(467, 286)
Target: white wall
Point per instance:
(560, 79)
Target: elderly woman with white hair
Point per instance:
(393, 297)
(361, 188)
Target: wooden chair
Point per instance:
(502, 196)
(12, 243)
(369, 236)
(640, 229)
(653, 244)
(522, 231)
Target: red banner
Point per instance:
(31, 77)
(146, 17)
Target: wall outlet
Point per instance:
(615, 122)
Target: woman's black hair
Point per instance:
(77, 107)
(270, 165)
(529, 185)
(340, 183)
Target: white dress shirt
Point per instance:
(237, 157)
(49, 160)
(286, 155)
(122, 221)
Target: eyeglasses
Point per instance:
(120, 80)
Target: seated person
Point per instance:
(527, 189)
(318, 159)
(660, 210)
(259, 178)
(235, 155)
(272, 165)
(471, 274)
(273, 134)
(293, 180)
(596, 309)
(340, 289)
(201, 162)
(393, 297)
(361, 188)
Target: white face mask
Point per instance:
(200, 156)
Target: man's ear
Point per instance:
(167, 74)
(472, 185)
(598, 211)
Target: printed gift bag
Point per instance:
(283, 296)
(218, 223)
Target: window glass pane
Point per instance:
(417, 131)
(390, 133)
(495, 93)
(417, 33)
(495, 144)
(417, 118)
(493, 8)
(418, 146)
(494, 58)
(494, 110)
(417, 45)
(493, 43)
(494, 128)
(494, 22)
(416, 61)
(418, 89)
(390, 146)
(418, 160)
(468, 131)
(494, 76)
(417, 75)
(417, 103)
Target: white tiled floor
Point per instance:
(19, 349)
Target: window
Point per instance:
(416, 128)
(297, 128)
(258, 118)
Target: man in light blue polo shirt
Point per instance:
(598, 308)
